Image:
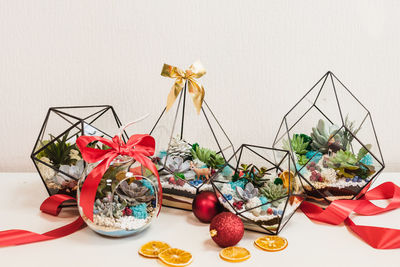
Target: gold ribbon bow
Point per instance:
(195, 71)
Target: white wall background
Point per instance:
(261, 57)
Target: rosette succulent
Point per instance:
(325, 138)
(274, 192)
(208, 156)
(248, 192)
(134, 193)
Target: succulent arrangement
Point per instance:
(326, 156)
(65, 159)
(251, 190)
(124, 202)
(59, 151)
(209, 157)
(185, 164)
(252, 174)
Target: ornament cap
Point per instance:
(213, 232)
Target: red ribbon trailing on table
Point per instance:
(339, 211)
(52, 205)
(139, 147)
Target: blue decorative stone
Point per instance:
(316, 156)
(148, 184)
(359, 180)
(347, 179)
(162, 154)
(228, 196)
(355, 180)
(241, 183)
(263, 201)
(195, 182)
(280, 212)
(300, 169)
(139, 211)
(227, 171)
(367, 159)
(275, 212)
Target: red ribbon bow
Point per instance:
(139, 147)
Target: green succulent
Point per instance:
(302, 159)
(254, 174)
(306, 139)
(345, 163)
(208, 156)
(298, 144)
(363, 152)
(344, 159)
(58, 150)
(325, 138)
(273, 192)
(349, 132)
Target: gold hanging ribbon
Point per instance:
(195, 71)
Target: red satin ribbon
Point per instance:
(139, 147)
(52, 206)
(339, 211)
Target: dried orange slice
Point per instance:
(153, 248)
(285, 176)
(234, 254)
(175, 257)
(271, 243)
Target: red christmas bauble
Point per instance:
(205, 206)
(226, 229)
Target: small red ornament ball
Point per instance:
(205, 206)
(226, 229)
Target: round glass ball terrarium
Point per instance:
(126, 200)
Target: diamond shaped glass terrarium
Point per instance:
(332, 141)
(55, 154)
(259, 187)
(190, 147)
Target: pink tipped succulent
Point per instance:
(172, 180)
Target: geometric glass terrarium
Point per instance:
(55, 154)
(190, 147)
(259, 187)
(333, 143)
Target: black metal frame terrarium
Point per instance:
(55, 154)
(333, 143)
(187, 145)
(259, 187)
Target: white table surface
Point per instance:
(310, 244)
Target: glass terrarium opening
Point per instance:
(260, 188)
(332, 141)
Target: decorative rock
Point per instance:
(252, 203)
(263, 201)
